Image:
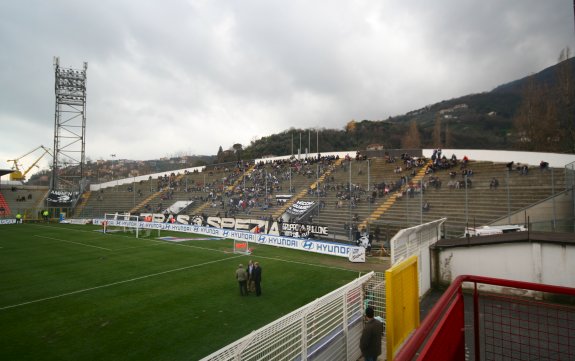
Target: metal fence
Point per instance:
(415, 241)
(327, 329)
(496, 326)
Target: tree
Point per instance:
(536, 119)
(437, 132)
(566, 102)
(448, 137)
(350, 126)
(411, 139)
(238, 150)
(220, 155)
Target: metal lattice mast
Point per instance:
(69, 127)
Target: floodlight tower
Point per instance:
(69, 128)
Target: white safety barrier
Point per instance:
(353, 253)
(327, 329)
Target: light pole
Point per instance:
(299, 151)
(553, 197)
(349, 164)
(421, 201)
(508, 198)
(369, 192)
(318, 160)
(466, 209)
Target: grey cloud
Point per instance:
(193, 75)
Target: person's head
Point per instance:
(257, 264)
(241, 266)
(369, 313)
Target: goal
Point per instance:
(123, 223)
(242, 247)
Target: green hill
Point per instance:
(474, 121)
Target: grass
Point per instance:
(70, 293)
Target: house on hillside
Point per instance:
(375, 147)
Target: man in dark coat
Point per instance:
(257, 278)
(370, 342)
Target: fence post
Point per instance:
(475, 320)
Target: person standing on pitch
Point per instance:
(257, 278)
(370, 342)
(242, 277)
(250, 270)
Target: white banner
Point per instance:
(8, 221)
(311, 230)
(300, 207)
(357, 255)
(333, 249)
(78, 221)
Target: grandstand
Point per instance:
(220, 190)
(380, 193)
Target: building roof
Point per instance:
(513, 237)
(3, 172)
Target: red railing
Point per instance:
(504, 326)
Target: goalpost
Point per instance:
(110, 224)
(242, 247)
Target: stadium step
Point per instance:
(240, 179)
(4, 206)
(392, 199)
(304, 191)
(147, 200)
(84, 200)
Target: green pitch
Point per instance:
(70, 293)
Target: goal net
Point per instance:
(123, 223)
(242, 247)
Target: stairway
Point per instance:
(4, 205)
(379, 211)
(82, 204)
(304, 191)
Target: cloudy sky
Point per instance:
(186, 76)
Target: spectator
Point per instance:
(425, 207)
(242, 277)
(257, 278)
(494, 183)
(370, 341)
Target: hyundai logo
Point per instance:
(261, 238)
(308, 245)
(225, 233)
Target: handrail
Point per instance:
(413, 344)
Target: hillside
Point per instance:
(474, 121)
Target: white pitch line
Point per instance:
(220, 251)
(115, 283)
(149, 245)
(78, 243)
(303, 263)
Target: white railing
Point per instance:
(416, 241)
(328, 328)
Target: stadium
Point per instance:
(141, 288)
(443, 232)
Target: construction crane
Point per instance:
(18, 175)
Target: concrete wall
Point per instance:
(131, 180)
(532, 262)
(532, 158)
(555, 160)
(558, 207)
